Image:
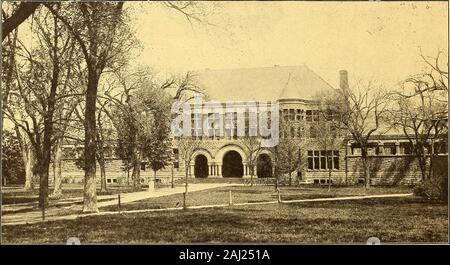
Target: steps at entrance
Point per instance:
(215, 180)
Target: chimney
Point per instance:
(344, 79)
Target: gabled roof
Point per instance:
(262, 83)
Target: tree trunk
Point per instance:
(57, 190)
(329, 176)
(90, 146)
(290, 177)
(186, 180)
(173, 186)
(103, 187)
(28, 159)
(251, 174)
(365, 162)
(42, 170)
(128, 175)
(276, 178)
(136, 175)
(422, 166)
(186, 185)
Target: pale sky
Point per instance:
(372, 40)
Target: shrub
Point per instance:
(434, 188)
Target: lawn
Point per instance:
(244, 194)
(406, 219)
(18, 195)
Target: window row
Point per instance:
(323, 160)
(403, 148)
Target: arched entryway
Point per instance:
(201, 166)
(264, 166)
(232, 166)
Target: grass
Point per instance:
(406, 219)
(18, 195)
(244, 194)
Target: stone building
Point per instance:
(296, 89)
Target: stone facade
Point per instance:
(293, 87)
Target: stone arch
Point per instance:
(267, 152)
(204, 152)
(230, 147)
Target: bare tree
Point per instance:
(104, 38)
(288, 154)
(421, 112)
(252, 148)
(329, 129)
(187, 145)
(361, 110)
(104, 138)
(40, 95)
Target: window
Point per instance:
(253, 124)
(406, 148)
(378, 150)
(234, 127)
(308, 115)
(323, 162)
(317, 160)
(312, 115)
(336, 159)
(114, 180)
(229, 124)
(196, 119)
(389, 149)
(440, 148)
(214, 128)
(285, 114)
(310, 160)
(108, 180)
(299, 114)
(356, 150)
(291, 114)
(371, 150)
(143, 164)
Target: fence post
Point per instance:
(279, 195)
(231, 200)
(118, 202)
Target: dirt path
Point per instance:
(70, 209)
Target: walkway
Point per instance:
(71, 208)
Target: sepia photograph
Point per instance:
(224, 122)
